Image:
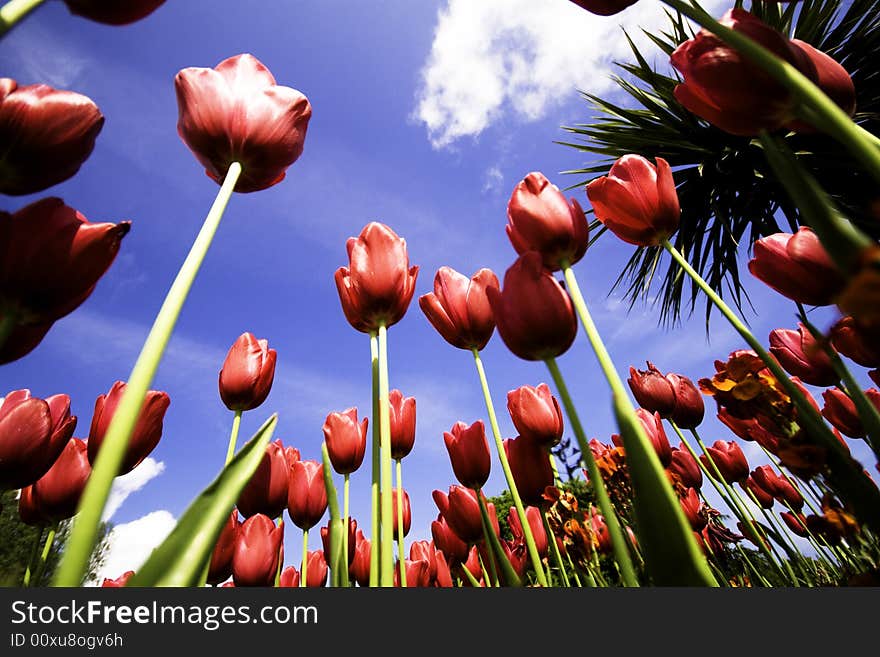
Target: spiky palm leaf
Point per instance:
(729, 196)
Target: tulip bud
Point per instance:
(289, 578)
(834, 81)
(33, 433)
(377, 286)
(693, 507)
(536, 524)
(797, 266)
(750, 429)
(530, 466)
(534, 314)
(856, 342)
(472, 565)
(802, 356)
(307, 496)
(653, 426)
(47, 135)
(56, 493)
(316, 570)
(359, 570)
(220, 568)
(28, 511)
(539, 218)
(147, 430)
(469, 452)
(730, 460)
(426, 551)
(779, 487)
(446, 539)
(346, 440)
(53, 258)
(636, 200)
(604, 7)
(403, 424)
(763, 497)
(112, 12)
(796, 523)
(840, 411)
(119, 582)
(352, 540)
(407, 513)
(444, 574)
(536, 414)
(22, 340)
(685, 466)
(417, 573)
(266, 491)
(257, 552)
(651, 390)
(461, 511)
(236, 112)
(247, 374)
(688, 410)
(459, 308)
(727, 89)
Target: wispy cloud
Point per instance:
(495, 58)
(130, 483)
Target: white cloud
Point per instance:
(495, 57)
(492, 179)
(130, 483)
(131, 543)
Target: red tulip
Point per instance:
(653, 426)
(536, 415)
(604, 7)
(346, 440)
(459, 308)
(417, 573)
(33, 433)
(406, 511)
(359, 570)
(693, 507)
(113, 12)
(689, 409)
(802, 356)
(763, 496)
(22, 340)
(52, 258)
(247, 374)
(119, 582)
(840, 411)
(469, 453)
(685, 466)
(444, 574)
(636, 200)
(750, 429)
(856, 342)
(461, 511)
(46, 134)
(797, 266)
(426, 551)
(779, 487)
(56, 493)
(307, 496)
(289, 578)
(28, 511)
(291, 454)
(403, 423)
(539, 218)
(377, 286)
(875, 376)
(534, 314)
(236, 112)
(730, 460)
(652, 390)
(832, 79)
(266, 491)
(472, 565)
(220, 568)
(530, 466)
(446, 539)
(147, 431)
(796, 523)
(352, 540)
(316, 569)
(726, 88)
(257, 552)
(536, 524)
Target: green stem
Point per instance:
(532, 549)
(401, 553)
(233, 436)
(491, 576)
(13, 11)
(47, 547)
(763, 579)
(827, 115)
(304, 567)
(32, 561)
(785, 562)
(618, 542)
(494, 546)
(847, 474)
(345, 524)
(386, 559)
(375, 548)
(469, 576)
(557, 480)
(338, 561)
(84, 532)
(554, 547)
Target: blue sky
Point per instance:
(425, 116)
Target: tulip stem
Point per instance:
(32, 562)
(401, 554)
(13, 11)
(847, 473)
(233, 436)
(84, 531)
(493, 546)
(618, 542)
(345, 524)
(374, 486)
(554, 547)
(304, 568)
(531, 546)
(786, 563)
(386, 559)
(824, 113)
(470, 577)
(47, 547)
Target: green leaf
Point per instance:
(338, 560)
(181, 558)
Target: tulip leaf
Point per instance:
(181, 558)
(338, 560)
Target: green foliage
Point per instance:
(728, 193)
(18, 542)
